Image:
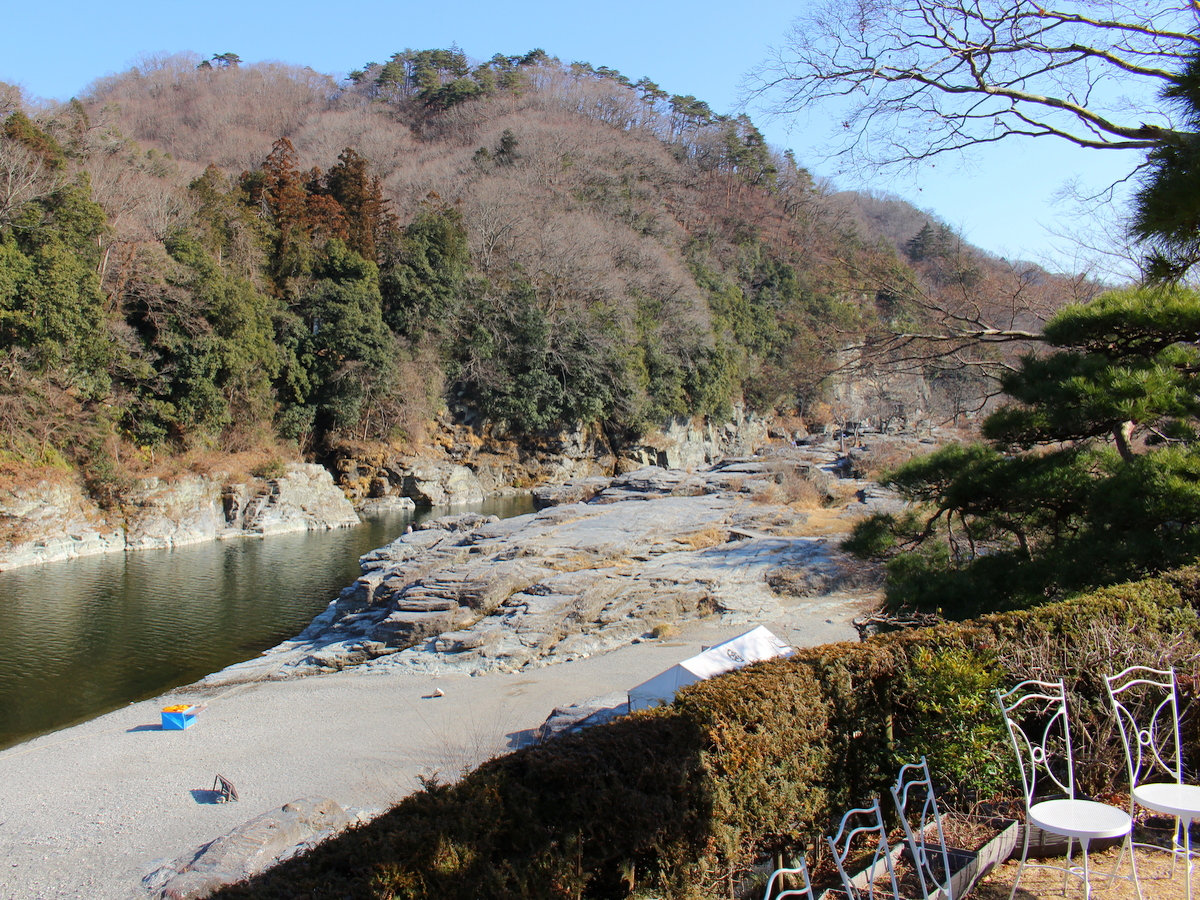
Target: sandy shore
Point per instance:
(88, 811)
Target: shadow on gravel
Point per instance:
(540, 823)
(206, 796)
(156, 727)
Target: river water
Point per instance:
(83, 637)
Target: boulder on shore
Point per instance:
(248, 849)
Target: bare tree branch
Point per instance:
(924, 77)
(962, 319)
(24, 179)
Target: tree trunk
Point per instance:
(1122, 433)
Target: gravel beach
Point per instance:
(89, 811)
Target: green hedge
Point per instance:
(683, 801)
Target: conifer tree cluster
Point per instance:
(534, 246)
(1092, 470)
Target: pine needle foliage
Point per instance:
(1091, 476)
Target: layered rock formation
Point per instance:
(598, 566)
(55, 521)
(469, 461)
(466, 463)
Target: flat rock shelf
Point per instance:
(642, 553)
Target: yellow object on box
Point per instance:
(178, 707)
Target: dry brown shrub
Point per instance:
(702, 540)
(16, 474)
(797, 487)
(267, 458)
(663, 630)
(792, 423)
(884, 456)
(818, 415)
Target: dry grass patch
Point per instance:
(578, 562)
(796, 487)
(17, 474)
(705, 538)
(818, 523)
(264, 460)
(1154, 872)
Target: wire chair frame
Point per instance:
(1145, 702)
(1036, 715)
(1040, 729)
(801, 870)
(863, 887)
(1149, 730)
(915, 783)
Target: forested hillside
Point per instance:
(201, 256)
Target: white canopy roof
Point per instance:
(756, 644)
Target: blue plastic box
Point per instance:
(179, 720)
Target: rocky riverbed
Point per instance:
(606, 562)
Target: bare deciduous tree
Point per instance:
(923, 77)
(12, 98)
(24, 178)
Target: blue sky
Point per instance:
(1001, 200)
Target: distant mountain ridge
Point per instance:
(212, 257)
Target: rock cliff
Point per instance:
(468, 461)
(54, 521)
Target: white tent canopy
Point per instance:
(754, 645)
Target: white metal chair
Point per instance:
(800, 872)
(845, 843)
(1036, 715)
(1147, 711)
(914, 787)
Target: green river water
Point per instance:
(82, 637)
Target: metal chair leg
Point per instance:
(1187, 859)
(1127, 846)
(1067, 867)
(1176, 840)
(1021, 868)
(1137, 881)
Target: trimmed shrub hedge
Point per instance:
(684, 801)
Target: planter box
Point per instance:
(966, 866)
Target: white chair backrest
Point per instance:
(1036, 715)
(1143, 700)
(864, 845)
(915, 800)
(798, 873)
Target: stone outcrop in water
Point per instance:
(645, 550)
(49, 521)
